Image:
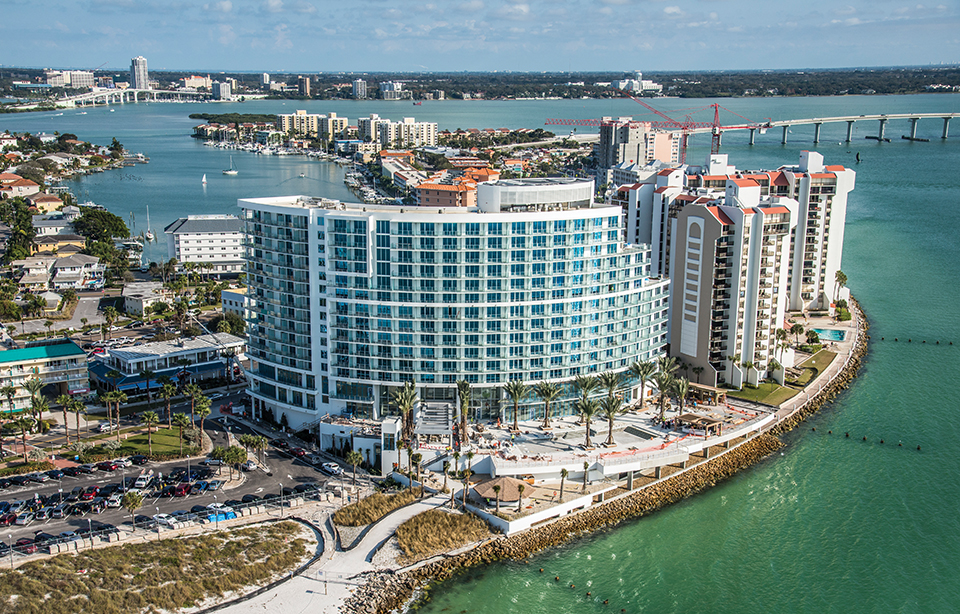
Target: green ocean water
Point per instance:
(831, 525)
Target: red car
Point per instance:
(107, 466)
(90, 493)
(181, 490)
(25, 545)
(298, 452)
(7, 519)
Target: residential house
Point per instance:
(139, 297)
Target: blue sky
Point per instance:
(523, 35)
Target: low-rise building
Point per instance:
(139, 297)
(60, 364)
(58, 245)
(45, 202)
(215, 240)
(16, 185)
(458, 193)
(235, 300)
(74, 272)
(196, 358)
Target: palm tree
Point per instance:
(456, 470)
(563, 478)
(611, 407)
(516, 390)
(150, 419)
(110, 316)
(147, 375)
(405, 399)
(840, 281)
(796, 330)
(446, 469)
(119, 398)
(64, 401)
(354, 458)
(521, 488)
(193, 391)
(260, 444)
(643, 371)
(33, 386)
(496, 491)
(167, 392)
(548, 393)
(586, 474)
(416, 458)
(49, 324)
(681, 387)
(774, 365)
(184, 374)
(203, 409)
(463, 393)
(181, 421)
(24, 423)
(132, 501)
(223, 327)
(469, 456)
(668, 364)
(610, 380)
(587, 408)
(40, 407)
(77, 407)
(697, 371)
(113, 375)
(663, 380)
(585, 384)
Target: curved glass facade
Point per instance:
(365, 298)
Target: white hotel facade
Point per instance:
(351, 301)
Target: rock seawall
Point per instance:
(384, 592)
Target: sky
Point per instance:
(479, 35)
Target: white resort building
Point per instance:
(214, 240)
(350, 301)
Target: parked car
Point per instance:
(279, 443)
(215, 484)
(87, 468)
(38, 477)
(45, 513)
(181, 490)
(331, 469)
(199, 487)
(298, 452)
(60, 511)
(212, 462)
(55, 474)
(25, 545)
(5, 483)
(138, 459)
(250, 498)
(107, 466)
(90, 493)
(19, 480)
(7, 519)
(143, 481)
(98, 505)
(107, 427)
(123, 462)
(69, 536)
(74, 495)
(25, 518)
(200, 509)
(249, 465)
(165, 520)
(42, 539)
(220, 508)
(71, 471)
(114, 500)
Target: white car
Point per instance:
(142, 481)
(106, 427)
(250, 465)
(123, 462)
(165, 519)
(115, 500)
(219, 507)
(331, 469)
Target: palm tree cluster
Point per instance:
(405, 399)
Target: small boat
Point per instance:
(417, 104)
(204, 180)
(149, 234)
(302, 175)
(232, 170)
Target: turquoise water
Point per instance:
(835, 524)
(830, 334)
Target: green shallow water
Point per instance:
(831, 525)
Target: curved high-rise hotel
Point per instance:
(350, 301)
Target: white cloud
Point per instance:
(303, 7)
(273, 6)
(845, 10)
(672, 11)
(227, 35)
(281, 40)
(471, 6)
(517, 11)
(224, 6)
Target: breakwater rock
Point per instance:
(838, 384)
(384, 592)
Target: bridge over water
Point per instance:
(817, 123)
(113, 96)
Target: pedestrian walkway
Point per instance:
(324, 586)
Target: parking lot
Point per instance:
(42, 510)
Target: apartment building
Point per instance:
(625, 140)
(215, 240)
(359, 89)
(139, 76)
(407, 133)
(312, 124)
(60, 364)
(350, 301)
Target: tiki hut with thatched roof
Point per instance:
(509, 490)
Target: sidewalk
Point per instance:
(323, 587)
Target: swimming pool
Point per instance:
(830, 334)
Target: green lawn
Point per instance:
(768, 393)
(165, 441)
(819, 361)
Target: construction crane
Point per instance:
(685, 128)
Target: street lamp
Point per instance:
(90, 531)
(216, 512)
(158, 523)
(281, 499)
(10, 537)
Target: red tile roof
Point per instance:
(835, 168)
(746, 183)
(770, 210)
(722, 217)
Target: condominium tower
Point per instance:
(352, 301)
(626, 140)
(139, 78)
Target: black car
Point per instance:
(42, 539)
(233, 503)
(178, 473)
(71, 471)
(74, 495)
(19, 480)
(80, 509)
(139, 459)
(5, 483)
(250, 498)
(200, 509)
(279, 443)
(4, 549)
(108, 490)
(55, 474)
(167, 491)
(301, 488)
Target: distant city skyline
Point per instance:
(480, 35)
